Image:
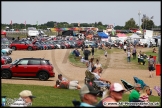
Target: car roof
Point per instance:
(33, 58)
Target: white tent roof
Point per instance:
(134, 36)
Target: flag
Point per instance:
(37, 23)
(25, 23)
(11, 22)
(152, 17)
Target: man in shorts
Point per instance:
(151, 65)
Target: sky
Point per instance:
(115, 13)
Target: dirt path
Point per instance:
(117, 69)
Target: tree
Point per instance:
(99, 23)
(147, 24)
(130, 24)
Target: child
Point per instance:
(105, 55)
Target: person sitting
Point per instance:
(102, 82)
(154, 50)
(76, 52)
(65, 84)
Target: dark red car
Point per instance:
(22, 45)
(3, 61)
(28, 67)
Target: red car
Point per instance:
(22, 45)
(3, 61)
(28, 67)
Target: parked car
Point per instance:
(21, 45)
(7, 58)
(90, 44)
(28, 67)
(3, 61)
(39, 46)
(8, 50)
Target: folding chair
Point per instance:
(127, 85)
(137, 80)
(158, 90)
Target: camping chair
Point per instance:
(137, 80)
(158, 90)
(127, 85)
(90, 79)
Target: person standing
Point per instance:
(151, 65)
(125, 48)
(105, 55)
(128, 56)
(134, 53)
(92, 50)
(25, 99)
(86, 54)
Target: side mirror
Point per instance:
(16, 65)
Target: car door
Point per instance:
(33, 67)
(21, 69)
(23, 45)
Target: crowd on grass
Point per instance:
(111, 94)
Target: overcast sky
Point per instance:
(74, 12)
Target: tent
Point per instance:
(135, 36)
(102, 35)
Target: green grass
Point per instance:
(49, 96)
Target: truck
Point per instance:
(33, 33)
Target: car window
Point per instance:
(43, 62)
(22, 42)
(34, 62)
(23, 62)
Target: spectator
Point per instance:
(114, 94)
(25, 99)
(76, 52)
(128, 56)
(103, 82)
(98, 65)
(65, 84)
(86, 54)
(92, 50)
(88, 96)
(134, 53)
(151, 65)
(90, 64)
(138, 55)
(125, 48)
(134, 95)
(105, 55)
(145, 94)
(154, 50)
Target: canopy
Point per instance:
(121, 35)
(102, 35)
(134, 36)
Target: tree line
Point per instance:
(146, 24)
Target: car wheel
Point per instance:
(14, 48)
(6, 74)
(43, 76)
(29, 48)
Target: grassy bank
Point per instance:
(48, 96)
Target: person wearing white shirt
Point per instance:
(125, 48)
(98, 65)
